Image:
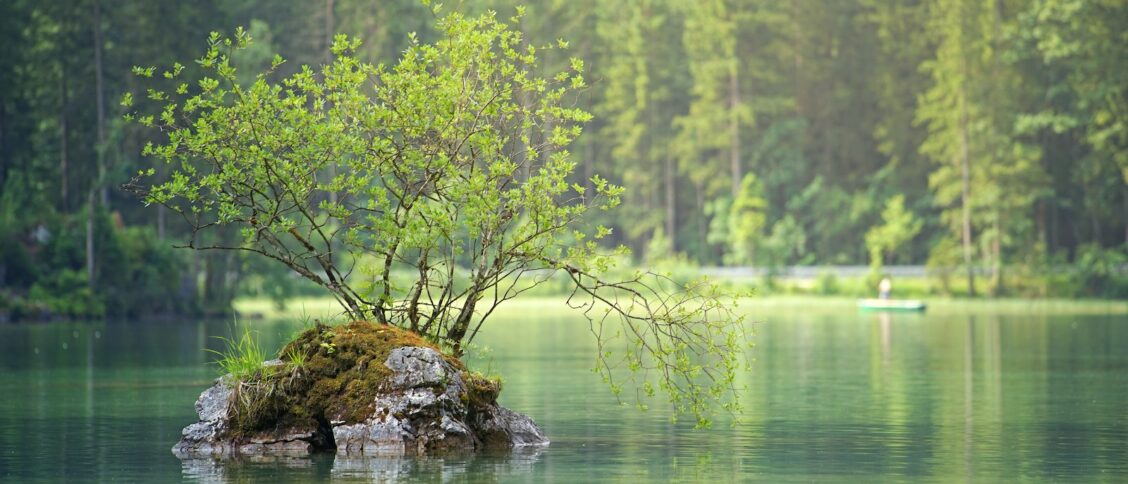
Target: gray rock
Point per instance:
(415, 367)
(421, 411)
(212, 404)
(498, 426)
(203, 437)
(425, 408)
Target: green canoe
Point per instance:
(891, 305)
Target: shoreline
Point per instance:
(326, 308)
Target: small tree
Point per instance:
(746, 220)
(886, 240)
(444, 206)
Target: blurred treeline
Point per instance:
(987, 139)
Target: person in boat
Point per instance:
(884, 288)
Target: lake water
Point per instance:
(978, 393)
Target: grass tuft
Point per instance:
(295, 357)
(242, 358)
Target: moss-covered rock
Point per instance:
(356, 388)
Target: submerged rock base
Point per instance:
(415, 402)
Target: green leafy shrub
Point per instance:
(66, 293)
(827, 283)
(1102, 272)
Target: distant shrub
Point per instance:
(66, 293)
(827, 283)
(1102, 272)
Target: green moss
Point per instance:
(339, 372)
(481, 390)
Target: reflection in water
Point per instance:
(209, 470)
(884, 320)
(486, 466)
(969, 411)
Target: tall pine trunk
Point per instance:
(64, 168)
(99, 149)
(997, 257)
(100, 104)
(734, 127)
(996, 242)
(671, 203)
(329, 59)
(90, 238)
(965, 193)
(3, 144)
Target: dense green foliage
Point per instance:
(45, 275)
(1003, 125)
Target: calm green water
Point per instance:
(833, 395)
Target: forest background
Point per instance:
(984, 140)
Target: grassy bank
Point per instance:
(326, 309)
(1027, 287)
(940, 304)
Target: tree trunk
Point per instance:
(100, 103)
(100, 147)
(996, 243)
(997, 258)
(703, 223)
(461, 324)
(589, 106)
(90, 238)
(671, 207)
(329, 31)
(1040, 223)
(734, 128)
(1053, 230)
(329, 59)
(797, 60)
(3, 145)
(965, 194)
(63, 162)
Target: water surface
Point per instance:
(833, 394)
